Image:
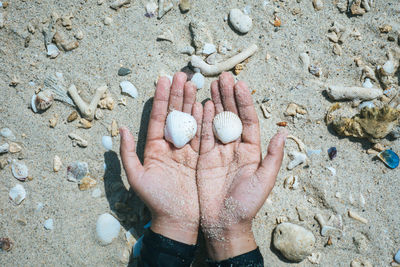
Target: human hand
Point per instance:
(233, 182)
(166, 182)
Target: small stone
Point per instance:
(19, 170)
(85, 124)
(4, 148)
(128, 88)
(151, 9)
(238, 68)
(57, 164)
(15, 148)
(124, 71)
(76, 171)
(356, 8)
(107, 21)
(107, 142)
(293, 241)
(77, 140)
(49, 224)
(337, 49)
(360, 263)
(184, 5)
(397, 257)
(53, 121)
(17, 194)
(73, 116)
(7, 133)
(318, 4)
(209, 49)
(107, 228)
(198, 80)
(87, 183)
(378, 147)
(52, 51)
(78, 35)
(315, 70)
(240, 22)
(332, 152)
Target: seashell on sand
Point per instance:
(180, 128)
(76, 171)
(42, 101)
(107, 142)
(227, 127)
(107, 228)
(19, 170)
(17, 194)
(128, 88)
(297, 159)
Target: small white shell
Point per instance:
(107, 228)
(128, 88)
(42, 101)
(19, 170)
(227, 127)
(17, 194)
(180, 128)
(297, 159)
(198, 80)
(107, 142)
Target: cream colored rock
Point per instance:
(339, 92)
(293, 241)
(57, 163)
(240, 21)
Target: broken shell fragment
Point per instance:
(114, 128)
(77, 140)
(119, 3)
(52, 51)
(291, 182)
(227, 127)
(17, 194)
(42, 101)
(15, 148)
(107, 142)
(298, 158)
(87, 183)
(57, 164)
(76, 171)
(73, 116)
(6, 244)
(107, 228)
(19, 170)
(389, 157)
(180, 128)
(85, 124)
(128, 88)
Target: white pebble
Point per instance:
(49, 224)
(208, 49)
(52, 51)
(388, 67)
(96, 193)
(17, 194)
(7, 133)
(107, 228)
(107, 142)
(4, 148)
(367, 83)
(128, 88)
(241, 22)
(198, 80)
(19, 170)
(107, 21)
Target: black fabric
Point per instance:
(252, 258)
(160, 251)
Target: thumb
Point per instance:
(272, 162)
(133, 168)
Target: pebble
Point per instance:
(298, 158)
(198, 80)
(78, 35)
(209, 49)
(332, 152)
(318, 4)
(77, 170)
(360, 263)
(7, 133)
(96, 193)
(17, 194)
(128, 88)
(367, 104)
(4, 148)
(52, 51)
(293, 241)
(107, 142)
(151, 9)
(107, 228)
(77, 140)
(397, 256)
(388, 67)
(107, 21)
(240, 22)
(184, 5)
(124, 71)
(19, 170)
(14, 148)
(49, 224)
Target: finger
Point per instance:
(247, 114)
(133, 168)
(226, 83)
(216, 97)
(207, 135)
(189, 97)
(176, 95)
(159, 110)
(272, 162)
(197, 113)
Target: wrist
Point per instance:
(178, 230)
(224, 243)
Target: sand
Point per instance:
(130, 41)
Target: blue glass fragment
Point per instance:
(390, 158)
(332, 152)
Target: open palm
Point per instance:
(166, 181)
(233, 182)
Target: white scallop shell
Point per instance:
(107, 228)
(44, 99)
(227, 127)
(19, 170)
(180, 128)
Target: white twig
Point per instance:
(212, 70)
